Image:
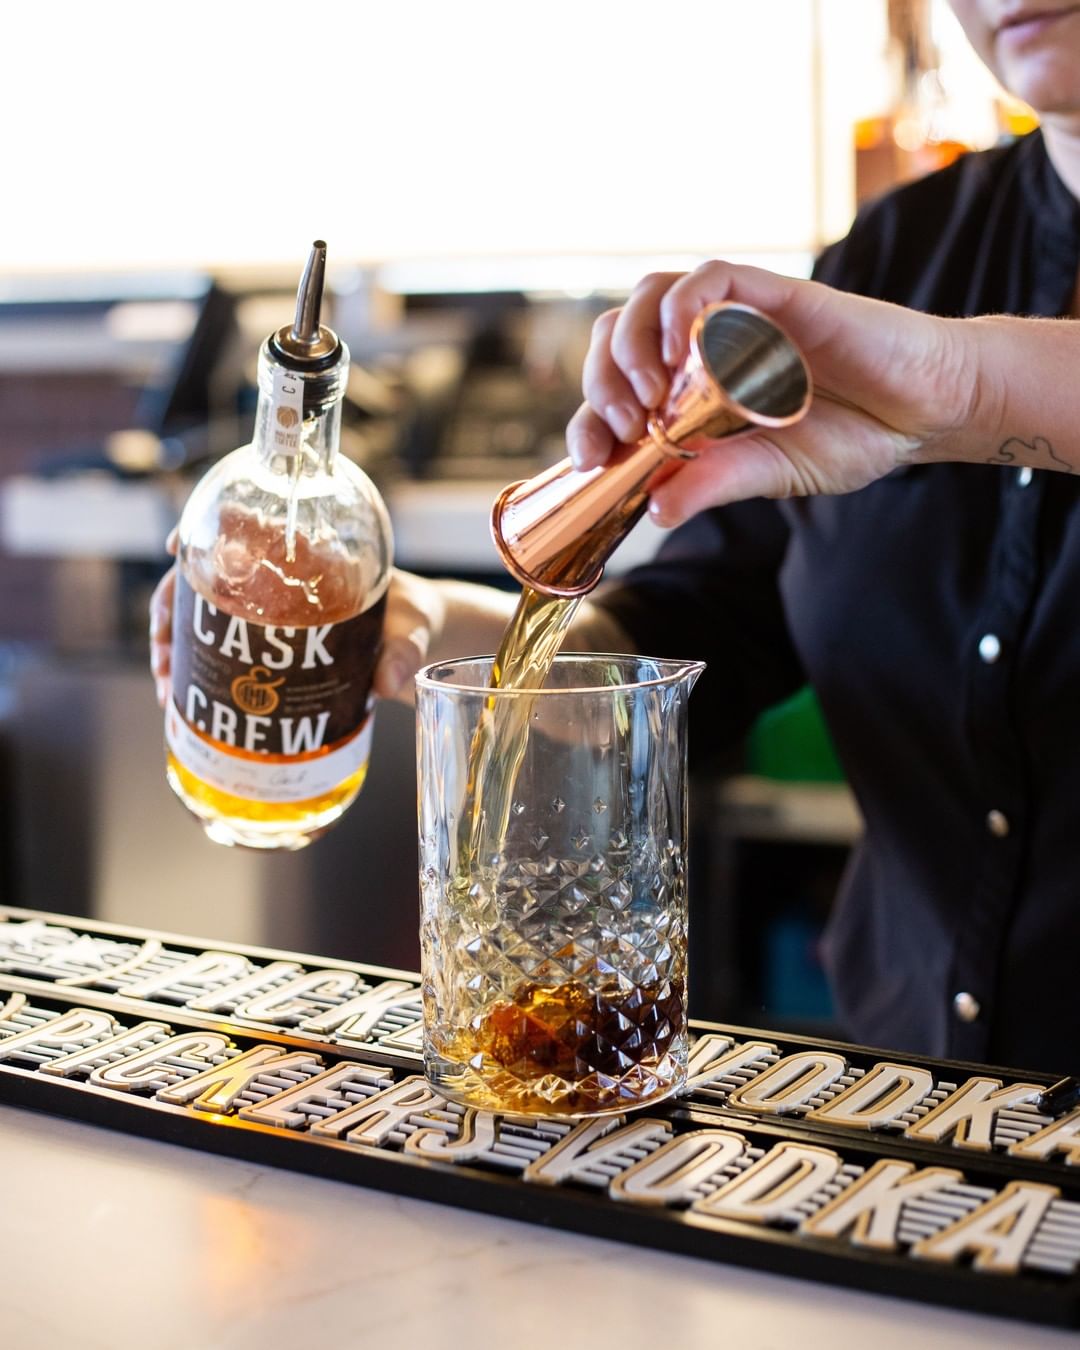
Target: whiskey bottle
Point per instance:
(282, 572)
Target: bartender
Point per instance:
(933, 611)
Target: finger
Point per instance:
(407, 635)
(160, 659)
(172, 543)
(779, 297)
(589, 440)
(605, 386)
(753, 466)
(161, 606)
(161, 633)
(400, 659)
(636, 338)
(161, 602)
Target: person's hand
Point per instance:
(415, 613)
(889, 383)
(419, 612)
(161, 608)
(414, 609)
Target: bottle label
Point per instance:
(286, 412)
(267, 712)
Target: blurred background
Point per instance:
(488, 179)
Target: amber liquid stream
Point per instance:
(524, 659)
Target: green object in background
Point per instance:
(790, 742)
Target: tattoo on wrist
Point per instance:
(1009, 452)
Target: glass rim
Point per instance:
(676, 672)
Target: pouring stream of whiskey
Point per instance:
(528, 648)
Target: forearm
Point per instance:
(472, 620)
(439, 620)
(1024, 388)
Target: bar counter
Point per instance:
(230, 1147)
(125, 1243)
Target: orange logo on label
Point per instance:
(256, 692)
(287, 417)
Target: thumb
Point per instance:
(401, 657)
(753, 466)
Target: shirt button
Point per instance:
(990, 648)
(1025, 475)
(997, 822)
(966, 1006)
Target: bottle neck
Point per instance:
(298, 416)
(318, 436)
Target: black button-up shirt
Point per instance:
(937, 615)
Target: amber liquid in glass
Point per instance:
(572, 1045)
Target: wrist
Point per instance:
(971, 392)
(1025, 411)
(985, 345)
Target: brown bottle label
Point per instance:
(267, 693)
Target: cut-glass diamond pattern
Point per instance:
(560, 981)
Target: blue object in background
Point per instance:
(794, 981)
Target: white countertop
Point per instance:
(109, 1242)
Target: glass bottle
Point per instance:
(284, 561)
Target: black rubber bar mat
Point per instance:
(935, 1180)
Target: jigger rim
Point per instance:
(753, 418)
(676, 672)
(510, 562)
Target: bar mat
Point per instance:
(945, 1182)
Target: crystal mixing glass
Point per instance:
(553, 883)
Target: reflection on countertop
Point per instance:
(123, 1242)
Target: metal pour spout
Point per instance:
(556, 531)
(309, 295)
(307, 343)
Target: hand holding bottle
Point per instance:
(415, 611)
(426, 620)
(283, 563)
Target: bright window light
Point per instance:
(225, 132)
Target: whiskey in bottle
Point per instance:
(283, 566)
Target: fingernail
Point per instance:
(584, 452)
(647, 387)
(659, 516)
(623, 420)
(670, 349)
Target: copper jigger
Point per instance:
(556, 531)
